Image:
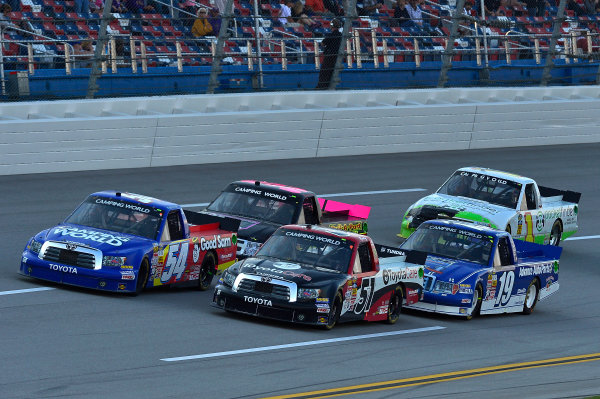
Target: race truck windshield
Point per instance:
(318, 250)
(255, 204)
(482, 187)
(451, 242)
(120, 216)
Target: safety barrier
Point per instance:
(57, 136)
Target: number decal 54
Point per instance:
(507, 281)
(175, 262)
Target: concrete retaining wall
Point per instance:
(58, 136)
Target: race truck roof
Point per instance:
(497, 173)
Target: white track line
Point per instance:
(582, 238)
(299, 344)
(26, 290)
(406, 190)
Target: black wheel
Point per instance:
(475, 302)
(142, 278)
(207, 271)
(334, 312)
(531, 297)
(395, 306)
(556, 233)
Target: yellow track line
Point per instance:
(434, 378)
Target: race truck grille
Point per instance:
(429, 213)
(71, 254)
(275, 289)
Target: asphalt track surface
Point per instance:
(74, 343)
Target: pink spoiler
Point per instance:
(357, 211)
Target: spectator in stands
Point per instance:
(491, 7)
(469, 10)
(368, 7)
(201, 26)
(285, 13)
(401, 17)
(331, 46)
(138, 6)
(5, 21)
(82, 6)
(97, 6)
(315, 7)
(118, 7)
(15, 5)
(535, 8)
(415, 12)
(214, 19)
(578, 9)
(333, 6)
(299, 16)
(84, 53)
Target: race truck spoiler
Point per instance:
(567, 195)
(202, 221)
(342, 209)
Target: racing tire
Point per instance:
(142, 279)
(334, 312)
(531, 297)
(556, 233)
(206, 271)
(475, 302)
(395, 305)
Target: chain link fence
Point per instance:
(49, 51)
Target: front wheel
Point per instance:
(556, 233)
(142, 278)
(207, 271)
(531, 297)
(395, 305)
(334, 312)
(475, 302)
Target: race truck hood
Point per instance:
(446, 269)
(300, 274)
(105, 240)
(468, 208)
(251, 229)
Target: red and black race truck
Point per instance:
(263, 207)
(321, 276)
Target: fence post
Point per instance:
(144, 58)
(357, 54)
(386, 62)
(538, 55)
(349, 53)
(30, 60)
(133, 55)
(317, 56)
(417, 53)
(283, 56)
(375, 50)
(507, 51)
(67, 59)
(179, 57)
(113, 55)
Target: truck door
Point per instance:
(530, 222)
(502, 282)
(363, 272)
(175, 251)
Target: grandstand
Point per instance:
(43, 35)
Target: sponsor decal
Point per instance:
(260, 192)
(465, 289)
(322, 320)
(393, 251)
(124, 205)
(287, 273)
(127, 276)
(323, 310)
(127, 267)
(466, 300)
(314, 237)
(196, 253)
(322, 300)
(286, 265)
(549, 281)
(555, 266)
(64, 269)
(521, 291)
(266, 279)
(350, 226)
(395, 276)
(121, 286)
(535, 270)
(462, 311)
(258, 301)
(214, 243)
(539, 221)
(95, 236)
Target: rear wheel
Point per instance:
(207, 271)
(395, 305)
(531, 297)
(475, 302)
(556, 233)
(142, 278)
(334, 312)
